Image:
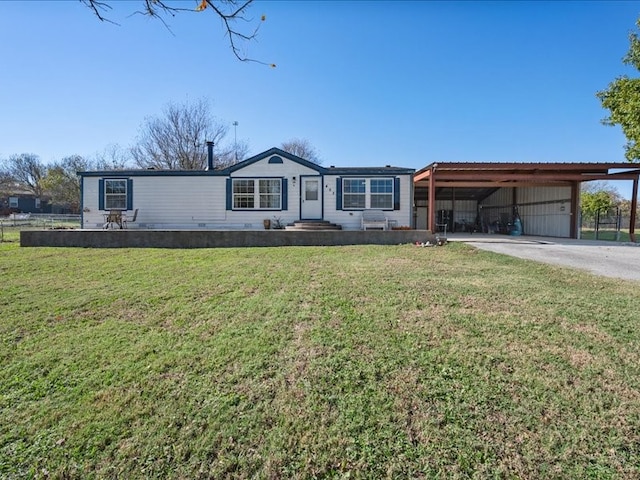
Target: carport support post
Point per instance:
(634, 206)
(431, 224)
(574, 228)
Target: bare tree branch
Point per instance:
(230, 12)
(301, 147)
(96, 6)
(28, 172)
(113, 157)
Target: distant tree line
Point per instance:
(174, 140)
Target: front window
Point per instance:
(13, 202)
(363, 193)
(243, 194)
(259, 194)
(382, 193)
(355, 193)
(270, 194)
(115, 194)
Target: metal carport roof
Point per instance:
(477, 180)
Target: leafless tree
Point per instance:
(232, 13)
(27, 171)
(177, 139)
(232, 154)
(301, 147)
(7, 182)
(113, 157)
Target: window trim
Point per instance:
(259, 195)
(110, 196)
(102, 193)
(389, 195)
(368, 193)
(363, 194)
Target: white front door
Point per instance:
(311, 198)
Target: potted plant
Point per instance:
(267, 223)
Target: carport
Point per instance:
(486, 196)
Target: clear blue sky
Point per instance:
(368, 83)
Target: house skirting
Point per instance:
(216, 238)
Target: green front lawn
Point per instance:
(314, 362)
(610, 235)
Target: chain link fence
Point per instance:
(11, 225)
(607, 225)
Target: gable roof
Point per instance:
(388, 170)
(269, 153)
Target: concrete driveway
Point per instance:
(610, 259)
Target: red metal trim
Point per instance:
(575, 210)
(431, 212)
(634, 206)
(500, 177)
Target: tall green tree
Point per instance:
(597, 197)
(594, 202)
(63, 183)
(622, 99)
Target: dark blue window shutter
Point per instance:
(130, 194)
(396, 193)
(339, 193)
(285, 194)
(101, 194)
(229, 194)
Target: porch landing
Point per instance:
(216, 238)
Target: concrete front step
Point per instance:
(311, 228)
(313, 225)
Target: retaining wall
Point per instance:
(216, 238)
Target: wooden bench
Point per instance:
(374, 219)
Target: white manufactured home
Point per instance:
(274, 185)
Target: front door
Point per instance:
(311, 198)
